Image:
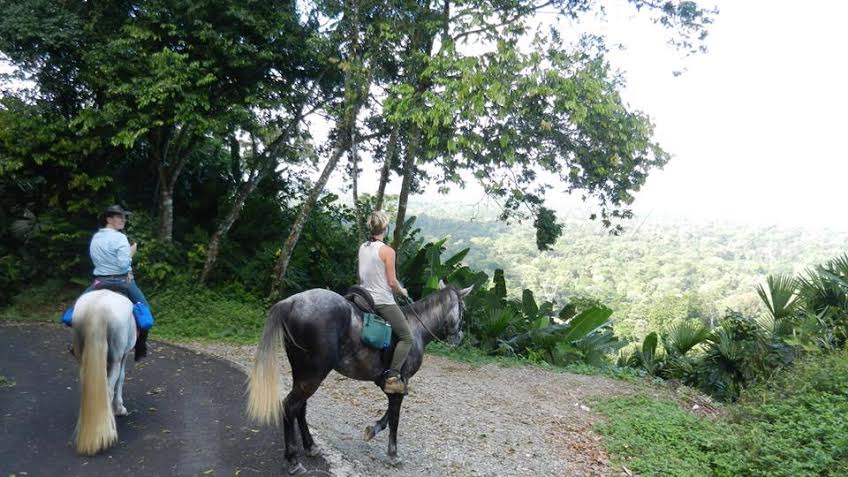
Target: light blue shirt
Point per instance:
(110, 252)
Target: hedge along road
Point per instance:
(186, 414)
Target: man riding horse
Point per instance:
(111, 254)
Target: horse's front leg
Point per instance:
(395, 401)
(374, 429)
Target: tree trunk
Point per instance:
(165, 147)
(245, 189)
(300, 221)
(406, 185)
(354, 172)
(356, 88)
(214, 247)
(166, 211)
(391, 150)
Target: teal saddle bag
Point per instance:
(376, 332)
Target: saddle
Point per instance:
(117, 287)
(361, 299)
(376, 332)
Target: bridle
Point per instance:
(459, 319)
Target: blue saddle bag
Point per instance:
(376, 332)
(143, 317)
(68, 316)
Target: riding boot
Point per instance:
(393, 383)
(141, 345)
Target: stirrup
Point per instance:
(393, 382)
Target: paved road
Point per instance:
(186, 415)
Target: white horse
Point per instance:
(104, 334)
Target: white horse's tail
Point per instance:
(263, 401)
(96, 428)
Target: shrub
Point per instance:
(657, 438)
(796, 425)
(187, 311)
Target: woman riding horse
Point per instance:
(322, 332)
(377, 276)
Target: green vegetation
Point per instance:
(208, 104)
(655, 274)
(792, 426)
(185, 311)
(6, 382)
(658, 438)
(41, 302)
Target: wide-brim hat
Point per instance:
(113, 210)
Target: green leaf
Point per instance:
(586, 322)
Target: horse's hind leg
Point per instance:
(374, 429)
(118, 400)
(295, 409)
(113, 371)
(308, 444)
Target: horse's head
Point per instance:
(454, 319)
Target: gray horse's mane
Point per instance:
(435, 304)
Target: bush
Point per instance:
(657, 437)
(43, 302)
(187, 311)
(796, 425)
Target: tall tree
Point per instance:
(505, 114)
(357, 77)
(174, 73)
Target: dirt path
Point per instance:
(460, 420)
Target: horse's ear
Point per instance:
(441, 284)
(465, 291)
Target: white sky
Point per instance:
(755, 126)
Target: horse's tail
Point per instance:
(263, 401)
(96, 428)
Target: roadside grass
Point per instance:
(187, 312)
(795, 425)
(42, 302)
(657, 438)
(468, 354)
(6, 382)
(182, 311)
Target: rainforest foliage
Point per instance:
(200, 117)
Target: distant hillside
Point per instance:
(656, 272)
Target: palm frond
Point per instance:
(780, 296)
(684, 336)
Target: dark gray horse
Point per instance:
(321, 332)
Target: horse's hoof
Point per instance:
(298, 469)
(369, 433)
(395, 461)
(313, 451)
(121, 411)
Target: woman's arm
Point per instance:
(387, 255)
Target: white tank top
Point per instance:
(372, 273)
